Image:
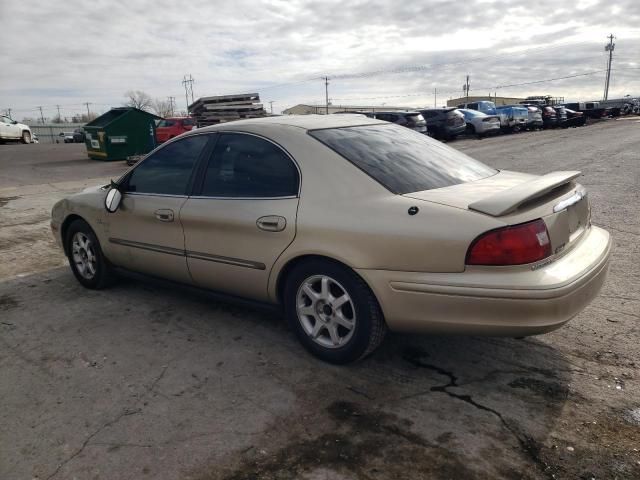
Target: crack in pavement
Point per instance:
(527, 443)
(110, 423)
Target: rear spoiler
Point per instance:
(509, 200)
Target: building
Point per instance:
(302, 109)
(454, 102)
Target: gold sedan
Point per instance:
(352, 225)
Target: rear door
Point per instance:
(145, 233)
(242, 216)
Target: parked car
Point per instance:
(595, 110)
(351, 225)
(169, 128)
(66, 137)
(534, 121)
(479, 123)
(483, 106)
(561, 116)
(512, 118)
(412, 120)
(78, 136)
(549, 117)
(444, 123)
(589, 109)
(12, 130)
(575, 119)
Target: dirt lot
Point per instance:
(142, 381)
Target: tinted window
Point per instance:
(248, 166)
(402, 160)
(166, 123)
(168, 170)
(188, 122)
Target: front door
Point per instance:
(145, 234)
(242, 216)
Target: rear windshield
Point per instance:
(166, 123)
(415, 118)
(402, 160)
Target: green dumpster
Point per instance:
(120, 133)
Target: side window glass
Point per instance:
(168, 170)
(249, 166)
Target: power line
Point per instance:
(420, 67)
(493, 87)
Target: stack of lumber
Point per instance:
(225, 108)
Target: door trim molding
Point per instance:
(238, 262)
(228, 260)
(147, 246)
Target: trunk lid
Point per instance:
(515, 198)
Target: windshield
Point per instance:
(401, 159)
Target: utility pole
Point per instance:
(188, 89)
(9, 113)
(465, 89)
(88, 111)
(41, 116)
(326, 94)
(172, 103)
(435, 98)
(608, 48)
(59, 117)
(271, 106)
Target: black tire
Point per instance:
(103, 275)
(26, 137)
(370, 327)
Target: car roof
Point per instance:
(305, 122)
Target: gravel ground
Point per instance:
(145, 381)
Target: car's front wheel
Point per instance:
(26, 137)
(86, 259)
(333, 312)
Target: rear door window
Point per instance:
(401, 159)
(246, 166)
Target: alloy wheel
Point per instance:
(325, 311)
(84, 255)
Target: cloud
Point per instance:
(95, 51)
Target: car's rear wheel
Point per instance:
(86, 259)
(333, 312)
(26, 137)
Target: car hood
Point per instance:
(464, 194)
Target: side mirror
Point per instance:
(113, 198)
(14, 122)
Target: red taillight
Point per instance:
(513, 245)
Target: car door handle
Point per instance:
(272, 223)
(164, 215)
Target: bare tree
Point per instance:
(138, 99)
(162, 108)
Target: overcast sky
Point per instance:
(374, 51)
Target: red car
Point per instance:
(172, 127)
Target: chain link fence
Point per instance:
(50, 133)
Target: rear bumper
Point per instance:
(495, 301)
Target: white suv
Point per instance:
(12, 130)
